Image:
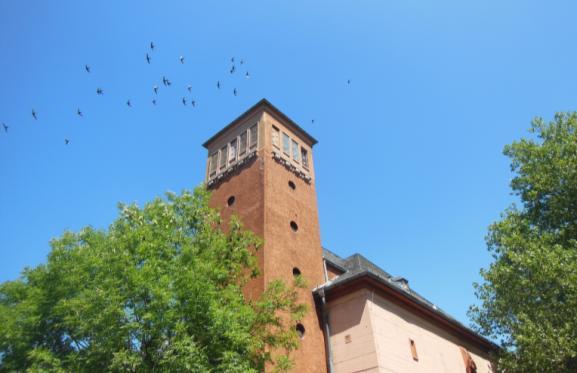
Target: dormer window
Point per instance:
(286, 147)
(295, 151)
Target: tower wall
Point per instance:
(266, 205)
(286, 249)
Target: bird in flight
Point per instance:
(87, 68)
(232, 69)
(148, 58)
(165, 81)
(349, 81)
(312, 121)
(66, 141)
(184, 100)
(193, 103)
(235, 92)
(232, 60)
(218, 84)
(154, 102)
(151, 45)
(79, 113)
(181, 59)
(128, 103)
(5, 127)
(189, 87)
(155, 89)
(34, 115)
(99, 91)
(247, 75)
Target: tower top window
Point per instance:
(243, 143)
(223, 154)
(232, 150)
(305, 158)
(286, 146)
(275, 136)
(238, 146)
(213, 163)
(295, 151)
(253, 134)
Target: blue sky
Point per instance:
(409, 164)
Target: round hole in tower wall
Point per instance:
(300, 330)
(294, 226)
(230, 201)
(292, 185)
(296, 272)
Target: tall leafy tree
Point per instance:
(529, 296)
(159, 290)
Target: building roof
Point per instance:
(356, 267)
(270, 108)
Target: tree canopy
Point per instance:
(529, 296)
(159, 290)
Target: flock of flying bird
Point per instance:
(165, 81)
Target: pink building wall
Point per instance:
(372, 334)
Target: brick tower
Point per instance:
(260, 168)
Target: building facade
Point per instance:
(260, 167)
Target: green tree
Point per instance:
(529, 296)
(159, 290)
